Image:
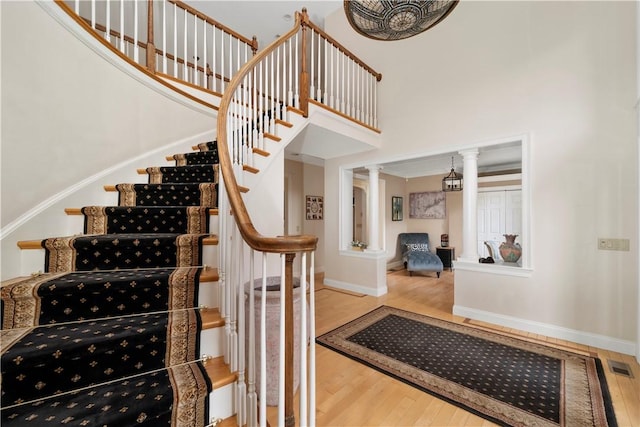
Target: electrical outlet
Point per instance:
(607, 244)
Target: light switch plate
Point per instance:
(608, 244)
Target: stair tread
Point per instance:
(211, 318)
(219, 372)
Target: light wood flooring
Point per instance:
(351, 394)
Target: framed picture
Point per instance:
(396, 208)
(427, 205)
(314, 207)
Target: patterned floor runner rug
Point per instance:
(506, 380)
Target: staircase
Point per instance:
(137, 263)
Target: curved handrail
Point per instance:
(279, 244)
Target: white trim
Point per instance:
(351, 287)
(499, 178)
(580, 337)
(41, 207)
(501, 268)
(500, 188)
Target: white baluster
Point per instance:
(213, 58)
(136, 48)
(312, 346)
(93, 14)
(175, 40)
(164, 37)
(241, 392)
(195, 50)
(107, 33)
(296, 72)
(185, 71)
(303, 341)
(205, 79)
(290, 80)
(222, 85)
(263, 344)
(325, 98)
(312, 88)
(122, 48)
(252, 398)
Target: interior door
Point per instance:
(491, 218)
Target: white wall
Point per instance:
(564, 74)
(68, 115)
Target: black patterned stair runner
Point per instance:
(109, 335)
(168, 194)
(183, 174)
(116, 251)
(145, 219)
(77, 296)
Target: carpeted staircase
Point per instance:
(110, 334)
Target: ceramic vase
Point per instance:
(510, 251)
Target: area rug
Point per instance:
(505, 380)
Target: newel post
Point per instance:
(151, 48)
(304, 72)
(289, 415)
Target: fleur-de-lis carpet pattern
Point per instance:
(109, 334)
(190, 173)
(210, 156)
(145, 219)
(506, 380)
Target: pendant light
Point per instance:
(453, 181)
(395, 20)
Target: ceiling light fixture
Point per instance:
(453, 181)
(395, 20)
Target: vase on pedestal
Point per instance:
(510, 251)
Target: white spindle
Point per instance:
(332, 89)
(374, 102)
(277, 75)
(93, 14)
(241, 391)
(195, 50)
(312, 347)
(326, 74)
(164, 37)
(296, 73)
(204, 59)
(76, 7)
(185, 71)
(312, 88)
(303, 341)
(213, 58)
(107, 33)
(236, 247)
(290, 69)
(222, 85)
(175, 40)
(122, 48)
(281, 359)
(263, 344)
(136, 49)
(252, 398)
(342, 73)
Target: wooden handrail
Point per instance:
(279, 244)
(343, 49)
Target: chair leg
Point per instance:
(438, 273)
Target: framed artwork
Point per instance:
(396, 208)
(314, 207)
(427, 205)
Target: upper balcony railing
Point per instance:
(170, 38)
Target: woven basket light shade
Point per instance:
(395, 20)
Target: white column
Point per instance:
(470, 206)
(373, 219)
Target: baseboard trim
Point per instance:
(580, 337)
(352, 287)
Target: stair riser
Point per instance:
(221, 402)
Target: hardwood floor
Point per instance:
(351, 394)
